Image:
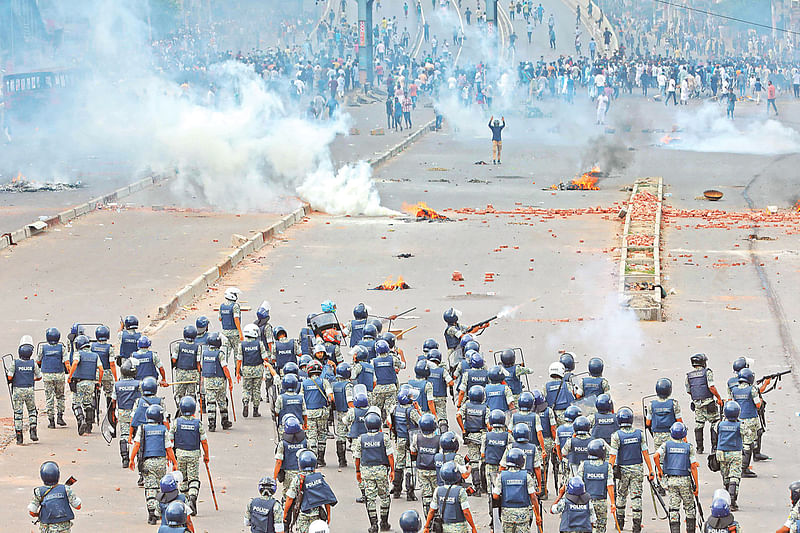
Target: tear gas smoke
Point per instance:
(607, 154)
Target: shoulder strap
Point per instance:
(440, 511)
(319, 388)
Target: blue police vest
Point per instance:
(357, 330)
(127, 390)
(306, 341)
(451, 341)
(662, 415)
(514, 492)
(103, 351)
(729, 437)
(285, 353)
(367, 376)
(53, 358)
(291, 403)
(676, 458)
(262, 519)
(154, 440)
(576, 515)
(226, 316)
(290, 451)
(440, 459)
(733, 382)
(402, 421)
(630, 447)
(55, 507)
(579, 450)
(140, 415)
(496, 443)
(187, 433)
(373, 450)
(563, 399)
(172, 529)
(201, 339)
(369, 344)
(23, 373)
(605, 424)
(427, 448)
(496, 396)
(477, 376)
(87, 366)
(312, 392)
(595, 477)
(513, 380)
(145, 366)
(212, 367)
(163, 506)
(592, 386)
(563, 434)
(316, 492)
(187, 355)
(384, 370)
(128, 343)
(419, 386)
(743, 396)
(525, 417)
(340, 396)
(475, 419)
(544, 418)
(698, 384)
(251, 353)
(449, 505)
(357, 428)
(529, 449)
(437, 382)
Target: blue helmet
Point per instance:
(450, 474)
(102, 333)
(187, 406)
(450, 316)
(677, 431)
(328, 306)
(307, 460)
(521, 432)
(278, 331)
(731, 410)
(168, 484)
(465, 338)
(373, 421)
(497, 418)
(421, 369)
(25, 351)
(746, 376)
(291, 424)
(472, 345)
(410, 522)
(389, 337)
(664, 387)
(267, 486)
(175, 514)
(201, 323)
(361, 400)
(343, 370)
(568, 360)
(496, 374)
(427, 423)
(739, 363)
(597, 448)
(403, 398)
(189, 332)
(77, 329)
(81, 341)
(575, 486)
(304, 360)
(215, 341)
(720, 508)
(596, 367)
(516, 457)
(130, 322)
(360, 312)
(155, 413)
(435, 355)
(149, 386)
(581, 425)
(571, 413)
(52, 335)
(476, 360)
(604, 404)
(625, 416)
(382, 347)
(476, 394)
(262, 313)
(429, 344)
(449, 442)
(508, 357)
(291, 368)
(377, 323)
(370, 331)
(360, 353)
(49, 473)
(143, 342)
(526, 401)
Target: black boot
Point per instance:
(246, 409)
(212, 424)
(321, 457)
(152, 519)
(637, 525)
(397, 489)
(691, 525)
(19, 437)
(476, 481)
(362, 498)
(746, 456)
(757, 455)
(140, 482)
(621, 520)
(123, 452)
(410, 496)
(81, 423)
(256, 414)
(385, 520)
(193, 504)
(714, 436)
(341, 454)
(698, 437)
(373, 521)
(34, 436)
(733, 490)
(226, 423)
(89, 419)
(60, 420)
(674, 527)
(52, 424)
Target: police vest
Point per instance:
(496, 397)
(475, 419)
(440, 459)
(525, 417)
(357, 330)
(449, 502)
(367, 376)
(743, 396)
(496, 443)
(103, 351)
(53, 358)
(262, 519)
(306, 341)
(145, 366)
(450, 340)
(513, 380)
(733, 382)
(373, 450)
(729, 436)
(291, 403)
(290, 451)
(212, 366)
(402, 421)
(477, 376)
(437, 382)
(340, 396)
(676, 458)
(23, 373)
(128, 343)
(357, 428)
(698, 384)
(630, 447)
(555, 399)
(140, 415)
(384, 370)
(163, 503)
(544, 418)
(592, 386)
(285, 353)
(187, 434)
(369, 344)
(462, 374)
(187, 355)
(563, 434)
(316, 492)
(595, 477)
(312, 391)
(514, 491)
(172, 529)
(726, 525)
(251, 353)
(576, 515)
(427, 448)
(55, 507)
(201, 339)
(662, 415)
(226, 316)
(127, 390)
(87, 366)
(154, 440)
(579, 449)
(529, 449)
(419, 386)
(605, 424)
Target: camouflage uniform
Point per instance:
(153, 469)
(515, 520)
(426, 479)
(440, 402)
(519, 372)
(54, 386)
(317, 432)
(61, 527)
(340, 426)
(384, 397)
(730, 467)
(278, 405)
(277, 512)
(24, 398)
(629, 483)
(750, 426)
(107, 383)
(217, 394)
(188, 460)
(492, 470)
(679, 489)
(290, 475)
(124, 417)
(459, 527)
(794, 518)
(252, 377)
(600, 506)
(660, 438)
(232, 336)
(402, 458)
(473, 441)
(561, 505)
(705, 410)
(549, 448)
(304, 520)
(181, 374)
(375, 479)
(83, 398)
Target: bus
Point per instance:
(28, 94)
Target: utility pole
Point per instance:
(366, 49)
(491, 24)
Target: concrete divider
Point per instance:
(402, 145)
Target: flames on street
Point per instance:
(423, 212)
(390, 285)
(19, 179)
(585, 182)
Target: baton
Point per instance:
(233, 406)
(211, 484)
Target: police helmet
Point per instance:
(526, 401)
(427, 423)
(508, 358)
(319, 526)
(126, 368)
(373, 421)
(201, 323)
(794, 492)
(361, 400)
(421, 369)
(320, 348)
(664, 387)
(187, 406)
(130, 322)
(410, 522)
(278, 331)
(231, 294)
(677, 431)
(262, 313)
(328, 306)
(189, 332)
(155, 413)
(465, 338)
(449, 442)
(516, 457)
(49, 473)
(304, 361)
(77, 329)
(571, 413)
(175, 513)
(731, 410)
(698, 359)
(625, 416)
(604, 404)
(435, 355)
(267, 486)
(472, 345)
(720, 508)
(360, 353)
(596, 367)
(539, 401)
(102, 333)
(429, 344)
(581, 425)
(52, 335)
(450, 474)
(377, 323)
(291, 368)
(307, 460)
(291, 424)
(168, 483)
(556, 370)
(568, 360)
(402, 397)
(149, 386)
(290, 383)
(314, 368)
(370, 331)
(142, 343)
(521, 432)
(25, 349)
(214, 340)
(82, 341)
(496, 374)
(739, 363)
(476, 360)
(575, 486)
(382, 347)
(250, 331)
(746, 376)
(476, 394)
(343, 370)
(360, 312)
(597, 448)
(451, 316)
(497, 418)
(390, 338)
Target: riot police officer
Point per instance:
(423, 387)
(515, 491)
(156, 452)
(290, 401)
(749, 400)
(523, 442)
(577, 513)
(355, 329)
(363, 373)
(598, 478)
(440, 380)
(186, 356)
(729, 450)
(513, 372)
(386, 366)
(498, 394)
(318, 395)
(146, 362)
(169, 494)
(368, 340)
(128, 338)
(53, 502)
(558, 391)
(700, 386)
(424, 448)
(317, 496)
(576, 449)
(354, 420)
(627, 451)
(547, 424)
(215, 374)
(453, 333)
(721, 520)
(494, 445)
(564, 432)
(663, 412)
(293, 440)
(679, 464)
(123, 397)
(251, 362)
(188, 436)
(472, 418)
(374, 457)
(230, 317)
(22, 375)
(476, 375)
(403, 421)
(264, 513)
(105, 351)
(176, 519)
(594, 384)
(342, 402)
(53, 358)
(450, 500)
(286, 350)
(87, 370)
(201, 323)
(604, 422)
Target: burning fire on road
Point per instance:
(390, 285)
(585, 182)
(423, 212)
(21, 184)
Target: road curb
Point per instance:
(402, 145)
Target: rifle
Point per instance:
(481, 325)
(294, 510)
(697, 501)
(658, 492)
(776, 377)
